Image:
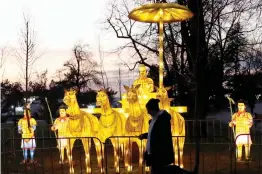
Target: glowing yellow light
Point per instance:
(90, 110)
(180, 109)
(168, 12)
(129, 168)
(145, 97)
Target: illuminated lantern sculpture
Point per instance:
(146, 85)
(80, 125)
(26, 127)
(243, 121)
(165, 13)
(136, 124)
(160, 13)
(111, 123)
(61, 124)
(177, 124)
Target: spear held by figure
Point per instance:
(50, 114)
(231, 101)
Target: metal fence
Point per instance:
(217, 152)
(214, 158)
(211, 131)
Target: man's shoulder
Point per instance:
(20, 120)
(136, 81)
(165, 116)
(248, 114)
(149, 79)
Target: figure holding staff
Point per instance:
(60, 124)
(243, 121)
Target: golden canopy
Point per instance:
(169, 12)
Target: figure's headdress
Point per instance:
(27, 107)
(63, 106)
(242, 101)
(142, 67)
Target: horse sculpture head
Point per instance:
(70, 97)
(102, 98)
(131, 93)
(161, 93)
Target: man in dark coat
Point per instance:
(159, 149)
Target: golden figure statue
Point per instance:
(111, 123)
(243, 122)
(146, 85)
(80, 124)
(136, 124)
(61, 124)
(177, 124)
(26, 127)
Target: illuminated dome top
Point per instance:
(151, 13)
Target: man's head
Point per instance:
(142, 71)
(62, 110)
(152, 106)
(241, 104)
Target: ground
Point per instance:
(214, 158)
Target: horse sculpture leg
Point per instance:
(147, 169)
(128, 155)
(86, 144)
(70, 155)
(178, 145)
(176, 151)
(181, 149)
(116, 145)
(140, 145)
(100, 154)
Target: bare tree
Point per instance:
(102, 69)
(26, 55)
(3, 54)
(180, 59)
(82, 69)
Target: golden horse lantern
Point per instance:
(136, 124)
(111, 123)
(80, 125)
(177, 124)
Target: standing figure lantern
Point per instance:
(61, 125)
(161, 13)
(243, 121)
(26, 127)
(146, 86)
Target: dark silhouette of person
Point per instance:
(159, 149)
